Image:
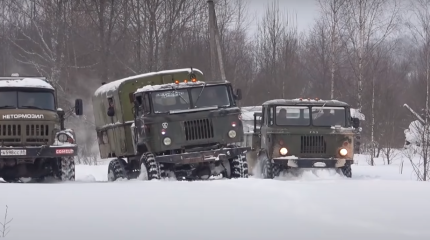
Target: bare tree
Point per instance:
(419, 140)
(331, 11)
(44, 49)
(5, 228)
(271, 33)
(106, 17)
(238, 50)
(368, 24)
(419, 25)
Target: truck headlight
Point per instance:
(232, 134)
(283, 151)
(62, 137)
(343, 152)
(167, 141)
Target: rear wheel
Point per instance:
(117, 170)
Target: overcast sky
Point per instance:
(306, 12)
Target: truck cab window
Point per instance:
(270, 116)
(146, 105)
(27, 100)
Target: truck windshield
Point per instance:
(27, 99)
(292, 115)
(165, 101)
(210, 96)
(328, 116)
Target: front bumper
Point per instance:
(313, 162)
(203, 156)
(39, 151)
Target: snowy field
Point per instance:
(377, 203)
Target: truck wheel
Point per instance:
(239, 167)
(116, 170)
(346, 170)
(150, 169)
(67, 169)
(269, 170)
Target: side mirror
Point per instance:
(111, 112)
(238, 94)
(79, 107)
(355, 122)
(257, 115)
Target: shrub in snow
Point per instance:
(414, 135)
(417, 149)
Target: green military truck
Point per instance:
(303, 133)
(170, 123)
(34, 144)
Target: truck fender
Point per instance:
(69, 132)
(141, 147)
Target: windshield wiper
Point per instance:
(32, 107)
(176, 90)
(183, 99)
(203, 88)
(7, 106)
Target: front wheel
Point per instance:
(239, 167)
(66, 169)
(150, 169)
(269, 170)
(346, 170)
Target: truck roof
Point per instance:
(24, 82)
(306, 102)
(114, 85)
(180, 85)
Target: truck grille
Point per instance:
(10, 133)
(198, 129)
(24, 133)
(313, 144)
(37, 133)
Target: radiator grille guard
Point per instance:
(28, 134)
(198, 129)
(313, 144)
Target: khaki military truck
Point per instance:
(170, 123)
(303, 133)
(34, 144)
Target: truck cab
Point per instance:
(170, 122)
(304, 133)
(33, 140)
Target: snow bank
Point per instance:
(223, 209)
(26, 82)
(169, 86)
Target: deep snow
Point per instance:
(377, 203)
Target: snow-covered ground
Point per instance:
(377, 203)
